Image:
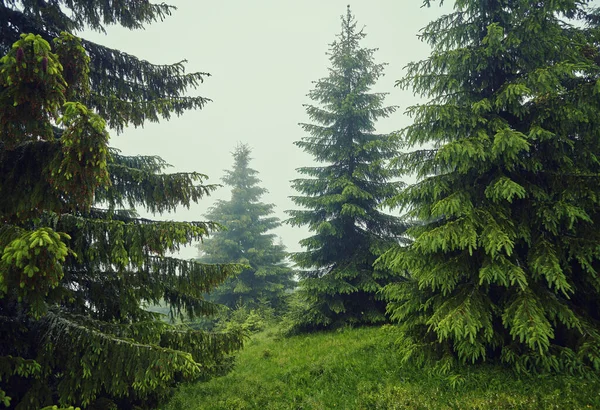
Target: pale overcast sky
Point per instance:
(262, 56)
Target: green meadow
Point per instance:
(360, 369)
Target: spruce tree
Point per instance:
(125, 90)
(504, 264)
(343, 194)
(76, 261)
(246, 241)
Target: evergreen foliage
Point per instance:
(342, 196)
(246, 241)
(76, 261)
(504, 264)
(125, 90)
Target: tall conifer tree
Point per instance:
(343, 195)
(246, 240)
(505, 263)
(125, 90)
(76, 261)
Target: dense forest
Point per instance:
(452, 263)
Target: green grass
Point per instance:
(359, 369)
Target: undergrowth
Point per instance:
(359, 369)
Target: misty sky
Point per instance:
(262, 56)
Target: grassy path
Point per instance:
(358, 369)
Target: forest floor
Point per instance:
(359, 369)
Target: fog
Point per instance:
(263, 56)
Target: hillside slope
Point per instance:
(358, 369)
